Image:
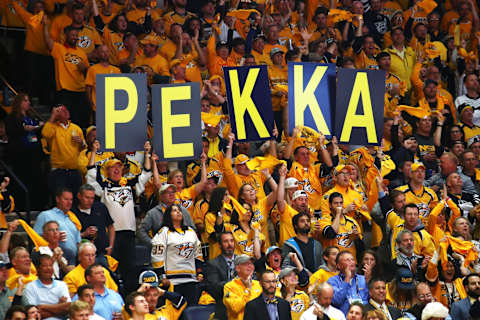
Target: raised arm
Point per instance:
(203, 180)
(46, 33)
(272, 196)
(281, 190)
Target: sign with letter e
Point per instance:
(177, 121)
(249, 102)
(359, 111)
(121, 111)
(311, 93)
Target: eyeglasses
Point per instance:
(425, 296)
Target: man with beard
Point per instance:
(71, 63)
(276, 308)
(338, 229)
(407, 258)
(461, 309)
(287, 212)
(307, 249)
(219, 271)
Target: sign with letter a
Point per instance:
(249, 102)
(359, 111)
(121, 116)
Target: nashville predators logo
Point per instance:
(185, 203)
(121, 196)
(306, 185)
(84, 42)
(297, 305)
(73, 58)
(185, 250)
(423, 209)
(257, 216)
(119, 46)
(246, 247)
(343, 240)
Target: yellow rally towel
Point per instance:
(260, 163)
(416, 111)
(210, 119)
(338, 15)
(112, 263)
(427, 5)
(75, 220)
(470, 56)
(465, 248)
(3, 219)
(37, 240)
(36, 20)
(13, 276)
(242, 14)
(237, 206)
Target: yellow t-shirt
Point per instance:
(244, 241)
(156, 64)
(34, 38)
(91, 78)
(186, 197)
(138, 15)
(298, 304)
(114, 42)
(76, 278)
(261, 211)
(88, 38)
(286, 230)
(321, 276)
(67, 74)
(342, 239)
(58, 24)
(64, 152)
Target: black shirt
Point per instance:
(98, 217)
(307, 253)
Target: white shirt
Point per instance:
(38, 293)
(475, 103)
(331, 312)
(95, 317)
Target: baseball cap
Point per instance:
(417, 165)
(259, 36)
(275, 50)
(149, 40)
(473, 140)
(463, 107)
(174, 63)
(404, 278)
(298, 194)
(112, 162)
(221, 44)
(291, 183)
(241, 159)
(149, 277)
(241, 259)
(90, 129)
(165, 187)
(271, 249)
(285, 272)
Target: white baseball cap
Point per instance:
(298, 194)
(291, 183)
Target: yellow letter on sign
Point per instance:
(169, 121)
(242, 102)
(304, 98)
(352, 119)
(114, 116)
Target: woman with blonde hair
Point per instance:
(374, 315)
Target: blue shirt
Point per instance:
(107, 303)
(271, 307)
(64, 224)
(344, 293)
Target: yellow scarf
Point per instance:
(75, 220)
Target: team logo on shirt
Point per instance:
(121, 196)
(119, 46)
(84, 42)
(307, 186)
(246, 247)
(257, 216)
(423, 209)
(343, 240)
(297, 305)
(72, 58)
(185, 250)
(185, 203)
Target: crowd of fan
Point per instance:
(299, 227)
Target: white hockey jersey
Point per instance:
(176, 252)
